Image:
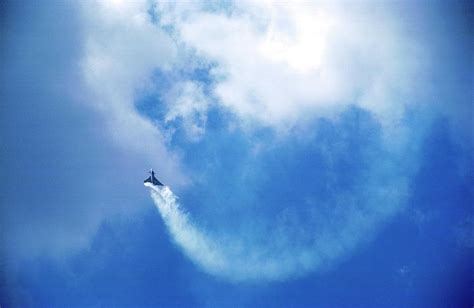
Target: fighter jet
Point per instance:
(151, 179)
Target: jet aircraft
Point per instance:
(151, 179)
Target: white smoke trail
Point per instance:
(228, 259)
(195, 243)
(284, 252)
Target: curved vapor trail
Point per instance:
(222, 258)
(283, 254)
(194, 242)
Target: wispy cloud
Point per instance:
(278, 62)
(274, 64)
(186, 102)
(122, 49)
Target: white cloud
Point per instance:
(273, 63)
(187, 102)
(279, 62)
(122, 49)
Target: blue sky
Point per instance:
(321, 154)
